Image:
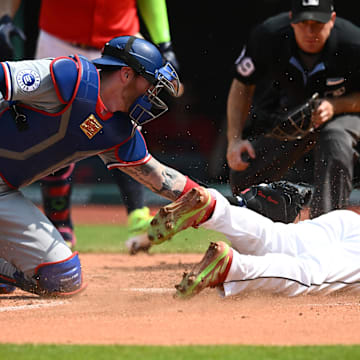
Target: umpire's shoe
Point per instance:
(210, 272)
(191, 209)
(6, 289)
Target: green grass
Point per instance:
(72, 352)
(111, 238)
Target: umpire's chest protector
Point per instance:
(52, 141)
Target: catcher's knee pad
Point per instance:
(59, 278)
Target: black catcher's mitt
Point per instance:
(280, 201)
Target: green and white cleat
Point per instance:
(191, 209)
(210, 272)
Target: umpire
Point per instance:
(287, 59)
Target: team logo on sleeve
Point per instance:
(28, 80)
(91, 126)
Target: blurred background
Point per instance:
(207, 37)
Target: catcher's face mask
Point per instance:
(298, 124)
(150, 106)
(146, 60)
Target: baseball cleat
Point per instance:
(138, 224)
(191, 209)
(6, 289)
(68, 235)
(210, 272)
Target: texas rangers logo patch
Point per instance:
(91, 126)
(28, 80)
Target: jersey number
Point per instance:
(245, 67)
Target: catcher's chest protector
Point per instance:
(52, 141)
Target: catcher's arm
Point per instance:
(159, 178)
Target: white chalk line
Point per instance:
(32, 306)
(334, 304)
(150, 290)
(172, 290)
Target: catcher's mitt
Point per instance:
(280, 201)
(298, 123)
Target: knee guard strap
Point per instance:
(56, 191)
(60, 278)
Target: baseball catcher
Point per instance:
(279, 201)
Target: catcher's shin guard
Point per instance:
(6, 289)
(61, 278)
(56, 192)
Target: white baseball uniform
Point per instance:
(318, 255)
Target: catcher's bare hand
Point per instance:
(234, 152)
(323, 113)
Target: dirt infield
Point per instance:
(129, 300)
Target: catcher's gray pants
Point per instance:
(334, 153)
(27, 237)
(318, 256)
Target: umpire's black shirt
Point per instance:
(286, 77)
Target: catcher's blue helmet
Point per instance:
(146, 60)
(141, 55)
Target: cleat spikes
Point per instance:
(169, 225)
(190, 210)
(163, 212)
(210, 272)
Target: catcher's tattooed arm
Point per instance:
(159, 178)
